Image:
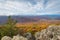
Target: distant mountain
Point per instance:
(3, 19)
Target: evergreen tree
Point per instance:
(10, 28)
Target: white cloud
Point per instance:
(26, 8)
(19, 8)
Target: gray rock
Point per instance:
(29, 36)
(6, 38)
(51, 33)
(18, 37)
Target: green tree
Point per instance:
(10, 26)
(9, 29)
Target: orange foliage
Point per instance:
(37, 26)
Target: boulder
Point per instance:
(6, 38)
(29, 36)
(51, 33)
(18, 37)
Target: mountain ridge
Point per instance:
(3, 19)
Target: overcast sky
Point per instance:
(29, 7)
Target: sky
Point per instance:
(29, 7)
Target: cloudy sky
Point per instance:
(29, 7)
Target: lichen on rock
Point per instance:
(6, 38)
(51, 33)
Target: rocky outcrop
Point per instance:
(51, 33)
(19, 38)
(6, 38)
